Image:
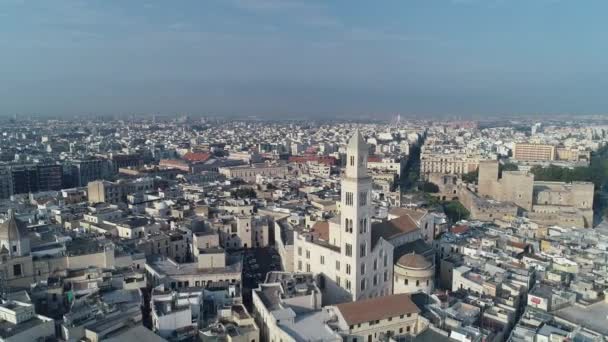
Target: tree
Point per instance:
(243, 193)
(470, 177)
(429, 187)
(455, 211)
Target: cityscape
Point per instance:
(303, 171)
(201, 229)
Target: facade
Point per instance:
(6, 183)
(35, 178)
(116, 192)
(549, 203)
(352, 265)
(453, 163)
(249, 173)
(85, 171)
(533, 152)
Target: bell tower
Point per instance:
(355, 212)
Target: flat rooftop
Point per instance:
(8, 329)
(593, 317)
(172, 268)
(311, 327)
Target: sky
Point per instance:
(304, 58)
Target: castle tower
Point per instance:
(355, 212)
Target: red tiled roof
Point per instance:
(392, 228)
(374, 159)
(197, 156)
(460, 229)
(378, 308)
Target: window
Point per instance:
(362, 268)
(299, 265)
(375, 264)
(300, 251)
(348, 250)
(307, 254)
(407, 329)
(417, 283)
(363, 283)
(385, 260)
(362, 250)
(15, 247)
(352, 160)
(307, 267)
(348, 225)
(348, 284)
(405, 281)
(322, 260)
(362, 198)
(338, 280)
(17, 270)
(385, 275)
(349, 199)
(347, 268)
(375, 282)
(337, 265)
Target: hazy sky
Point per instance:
(297, 57)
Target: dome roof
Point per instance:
(414, 261)
(12, 229)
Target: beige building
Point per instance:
(550, 203)
(452, 163)
(392, 165)
(116, 192)
(533, 152)
(378, 319)
(568, 154)
(249, 173)
(211, 267)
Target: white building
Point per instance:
(350, 263)
(19, 323)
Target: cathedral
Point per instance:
(351, 262)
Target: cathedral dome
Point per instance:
(12, 229)
(414, 261)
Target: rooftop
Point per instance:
(378, 308)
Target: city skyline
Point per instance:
(297, 58)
